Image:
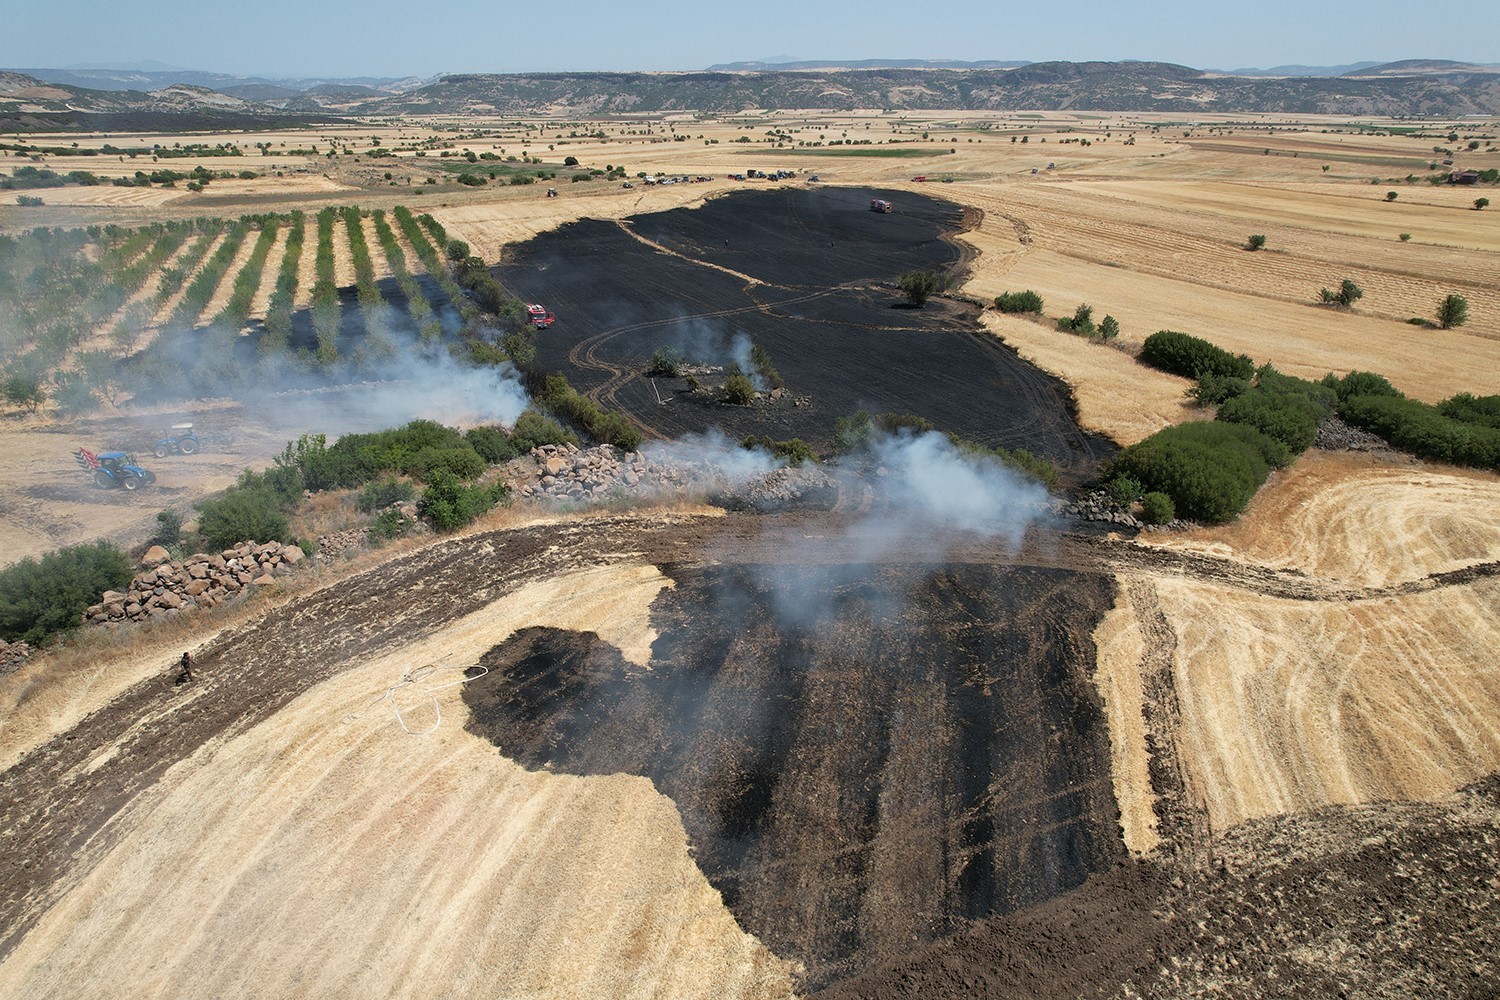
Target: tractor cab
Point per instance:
(539, 316)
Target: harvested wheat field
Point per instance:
(833, 745)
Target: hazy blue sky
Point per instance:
(388, 38)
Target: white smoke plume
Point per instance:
(715, 454)
(402, 388)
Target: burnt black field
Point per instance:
(865, 757)
(820, 304)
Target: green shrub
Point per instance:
(666, 363)
(448, 504)
(492, 443)
(794, 451)
(1123, 490)
(1190, 357)
(1211, 390)
(1288, 409)
(536, 429)
(1019, 460)
(615, 428)
(853, 433)
(383, 492)
(1345, 297)
(1081, 322)
(1360, 384)
(1019, 302)
(1471, 409)
(1157, 508)
(919, 286)
(41, 598)
(463, 463)
(1109, 328)
(1210, 469)
(604, 426)
(738, 390)
(389, 525)
(1424, 431)
(168, 529)
(248, 510)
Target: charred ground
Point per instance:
(866, 757)
(803, 273)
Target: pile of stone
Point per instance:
(167, 587)
(1335, 435)
(12, 655)
(567, 472)
(1098, 506)
(338, 543)
(801, 486)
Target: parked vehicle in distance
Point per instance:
(181, 439)
(540, 316)
(881, 205)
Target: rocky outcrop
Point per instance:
(12, 655)
(1335, 435)
(560, 473)
(1099, 506)
(201, 580)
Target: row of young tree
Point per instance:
(59, 287)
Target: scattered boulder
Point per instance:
(201, 580)
(155, 556)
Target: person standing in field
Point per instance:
(185, 676)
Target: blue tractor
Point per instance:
(109, 469)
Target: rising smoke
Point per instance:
(406, 386)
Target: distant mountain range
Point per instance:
(149, 76)
(773, 65)
(1420, 88)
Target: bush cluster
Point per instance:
(533, 430)
(40, 598)
(1191, 357)
(1483, 411)
(859, 432)
(794, 451)
(1208, 469)
(604, 426)
(1286, 408)
(1019, 302)
(1425, 430)
(448, 504)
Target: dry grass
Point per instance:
(1287, 706)
(1361, 520)
(452, 866)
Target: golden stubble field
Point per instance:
(1283, 704)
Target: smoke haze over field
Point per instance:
(405, 387)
